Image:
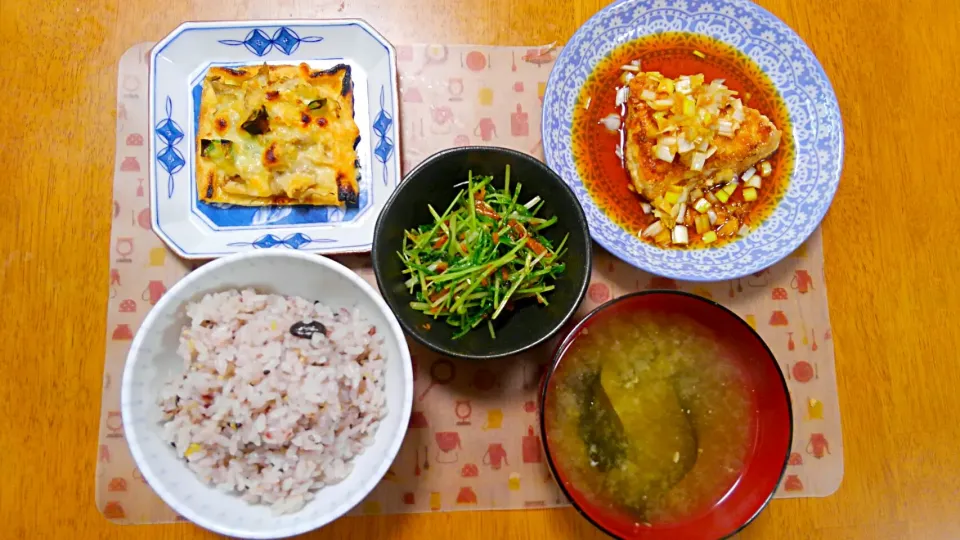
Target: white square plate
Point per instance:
(178, 63)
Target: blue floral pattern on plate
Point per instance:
(284, 39)
(381, 127)
(793, 69)
(293, 241)
(168, 156)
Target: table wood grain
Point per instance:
(890, 240)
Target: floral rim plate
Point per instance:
(178, 63)
(797, 76)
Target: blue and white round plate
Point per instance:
(798, 77)
(178, 63)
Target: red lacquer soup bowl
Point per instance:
(768, 434)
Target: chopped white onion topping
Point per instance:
(646, 207)
(653, 229)
(680, 235)
(631, 67)
(664, 153)
(712, 216)
(683, 212)
(754, 181)
(748, 173)
(635, 62)
(622, 94)
(675, 211)
(738, 115)
(611, 122)
(662, 104)
(697, 161)
(744, 230)
(725, 128)
(627, 77)
(689, 115)
(587, 104)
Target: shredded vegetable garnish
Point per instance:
(481, 255)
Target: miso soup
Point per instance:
(648, 416)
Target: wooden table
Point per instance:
(891, 246)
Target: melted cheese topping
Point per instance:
(277, 135)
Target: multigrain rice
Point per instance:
(268, 415)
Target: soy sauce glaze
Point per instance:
(672, 54)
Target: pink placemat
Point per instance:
(473, 441)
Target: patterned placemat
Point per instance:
(473, 441)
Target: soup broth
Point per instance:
(649, 417)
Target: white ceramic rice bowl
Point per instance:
(153, 361)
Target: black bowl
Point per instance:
(432, 182)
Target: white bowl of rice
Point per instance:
(267, 393)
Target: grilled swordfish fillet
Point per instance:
(687, 133)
